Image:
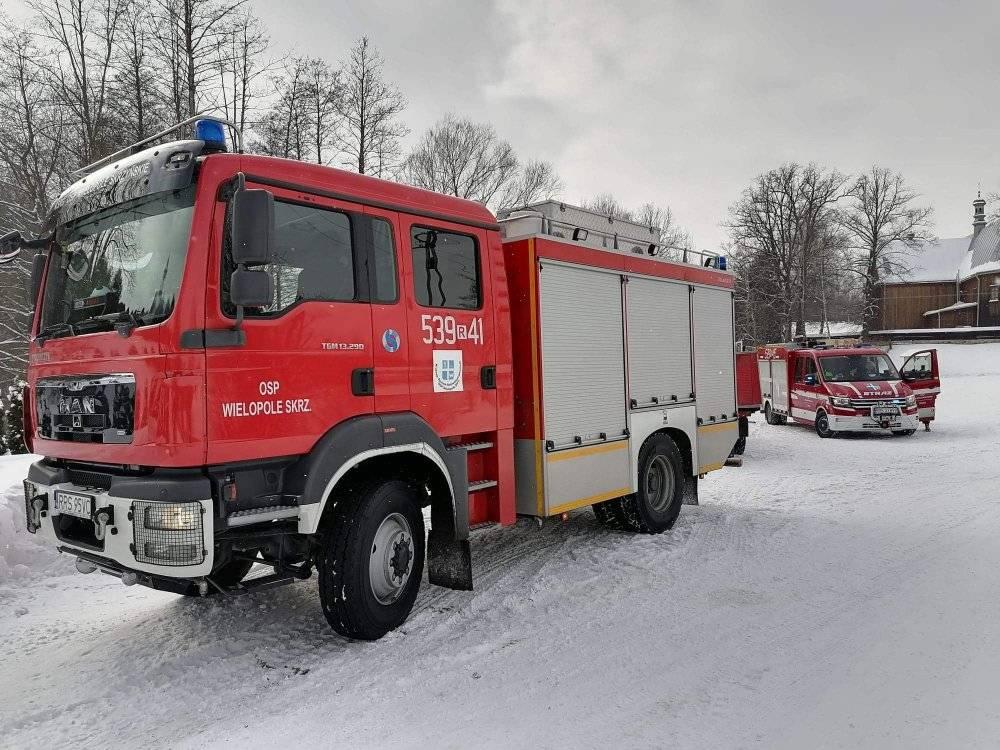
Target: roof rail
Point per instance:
(129, 150)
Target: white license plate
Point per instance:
(73, 504)
(885, 412)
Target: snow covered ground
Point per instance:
(838, 593)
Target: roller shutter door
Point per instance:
(714, 349)
(659, 341)
(583, 373)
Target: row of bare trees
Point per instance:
(812, 244)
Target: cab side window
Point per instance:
(313, 259)
(919, 366)
(806, 366)
(445, 269)
(384, 286)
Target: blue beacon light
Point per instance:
(211, 131)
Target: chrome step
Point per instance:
(483, 484)
(260, 515)
(469, 447)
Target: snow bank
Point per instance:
(22, 556)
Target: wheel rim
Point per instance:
(391, 562)
(659, 483)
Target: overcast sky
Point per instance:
(684, 102)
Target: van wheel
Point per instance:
(654, 508)
(372, 559)
(823, 425)
(772, 417)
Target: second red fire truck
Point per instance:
(839, 390)
(240, 360)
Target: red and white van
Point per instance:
(846, 389)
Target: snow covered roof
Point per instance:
(949, 308)
(939, 260)
(984, 252)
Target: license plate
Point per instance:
(73, 504)
(885, 411)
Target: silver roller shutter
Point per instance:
(714, 362)
(659, 341)
(583, 372)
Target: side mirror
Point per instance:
(252, 227)
(251, 288)
(809, 379)
(37, 269)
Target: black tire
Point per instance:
(823, 425)
(902, 433)
(771, 417)
(654, 508)
(740, 446)
(356, 604)
(607, 513)
(226, 576)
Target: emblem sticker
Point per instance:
(390, 340)
(447, 370)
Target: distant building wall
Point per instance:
(904, 305)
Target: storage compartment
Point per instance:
(714, 367)
(659, 342)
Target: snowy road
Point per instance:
(836, 593)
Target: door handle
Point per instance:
(488, 377)
(363, 381)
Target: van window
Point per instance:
(805, 366)
(313, 259)
(445, 269)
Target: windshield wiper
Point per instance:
(124, 321)
(52, 329)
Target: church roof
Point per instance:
(984, 253)
(938, 260)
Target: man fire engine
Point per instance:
(839, 390)
(241, 360)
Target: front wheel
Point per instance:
(823, 425)
(372, 559)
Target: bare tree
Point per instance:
(138, 99)
(323, 91)
(188, 39)
(674, 240)
(242, 66)
(609, 205)
(885, 226)
(463, 158)
(84, 37)
(285, 129)
(370, 109)
(778, 228)
(534, 181)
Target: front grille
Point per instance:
(865, 403)
(90, 479)
(86, 408)
(169, 534)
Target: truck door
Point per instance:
(450, 326)
(300, 369)
(920, 372)
(391, 347)
(805, 388)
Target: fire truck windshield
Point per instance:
(857, 367)
(120, 264)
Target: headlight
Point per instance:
(911, 400)
(840, 401)
(168, 517)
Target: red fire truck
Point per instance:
(839, 390)
(241, 360)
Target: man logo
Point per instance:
(447, 371)
(391, 340)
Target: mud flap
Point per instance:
(690, 491)
(449, 561)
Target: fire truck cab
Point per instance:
(836, 390)
(239, 360)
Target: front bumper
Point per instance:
(865, 423)
(125, 543)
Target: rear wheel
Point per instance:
(654, 508)
(771, 416)
(741, 445)
(607, 513)
(372, 560)
(823, 425)
(902, 433)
